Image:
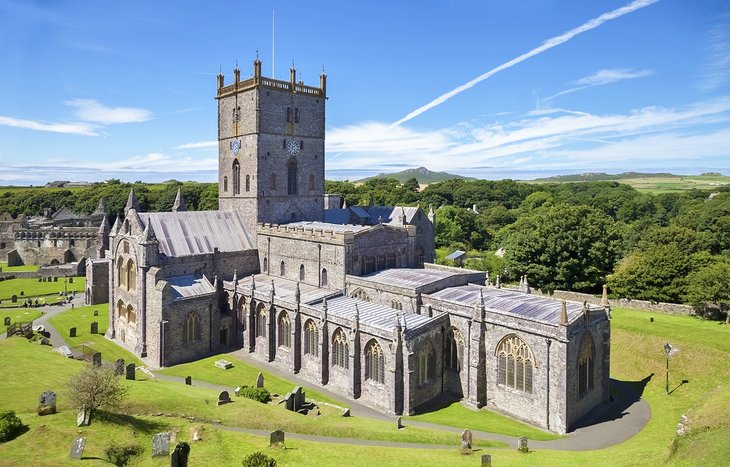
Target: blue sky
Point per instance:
(92, 90)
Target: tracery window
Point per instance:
(324, 277)
(515, 363)
(121, 311)
(585, 365)
(374, 362)
(454, 351)
(340, 350)
(292, 188)
(121, 273)
(396, 305)
(191, 327)
(261, 318)
(284, 330)
(131, 275)
(311, 338)
(360, 295)
(131, 315)
(426, 363)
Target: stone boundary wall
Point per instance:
(661, 307)
(41, 273)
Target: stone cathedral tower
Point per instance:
(271, 148)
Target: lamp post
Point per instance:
(667, 352)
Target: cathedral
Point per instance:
(346, 297)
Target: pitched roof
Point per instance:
(407, 277)
(372, 314)
(283, 288)
(189, 286)
(197, 232)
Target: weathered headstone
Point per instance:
(224, 398)
(55, 279)
(72, 332)
(179, 457)
(77, 448)
(522, 444)
(14, 299)
(276, 438)
(486, 460)
(96, 312)
(161, 444)
(346, 412)
(398, 423)
(223, 364)
(651, 320)
(84, 417)
(70, 280)
(65, 351)
(298, 398)
(289, 401)
(94, 328)
(7, 321)
(189, 380)
(130, 371)
(45, 341)
(96, 359)
(196, 434)
(47, 403)
(260, 380)
(466, 438)
(119, 367)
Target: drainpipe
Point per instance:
(547, 392)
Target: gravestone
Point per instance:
(298, 398)
(651, 320)
(14, 298)
(94, 328)
(72, 332)
(466, 438)
(84, 417)
(70, 280)
(130, 371)
(276, 438)
(119, 367)
(7, 321)
(47, 403)
(55, 279)
(260, 380)
(486, 460)
(196, 436)
(96, 312)
(346, 412)
(223, 364)
(161, 444)
(77, 448)
(65, 351)
(45, 341)
(289, 401)
(398, 423)
(223, 398)
(189, 380)
(179, 457)
(522, 444)
(96, 359)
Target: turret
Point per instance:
(323, 82)
(132, 202)
(292, 76)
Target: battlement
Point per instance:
(317, 233)
(260, 81)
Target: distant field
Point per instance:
(650, 183)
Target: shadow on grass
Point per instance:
(442, 401)
(19, 431)
(138, 424)
(623, 395)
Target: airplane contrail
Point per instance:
(547, 45)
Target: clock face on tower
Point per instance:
(293, 147)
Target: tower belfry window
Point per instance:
(296, 115)
(292, 188)
(236, 177)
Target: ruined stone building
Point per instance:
(345, 297)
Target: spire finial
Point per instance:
(179, 204)
(564, 313)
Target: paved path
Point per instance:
(48, 312)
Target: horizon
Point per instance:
(488, 91)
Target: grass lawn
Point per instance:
(32, 288)
(81, 318)
(22, 314)
(24, 268)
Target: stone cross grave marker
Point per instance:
(77, 448)
(119, 367)
(224, 398)
(96, 359)
(276, 438)
(94, 328)
(260, 380)
(72, 332)
(84, 417)
(466, 438)
(47, 403)
(522, 444)
(7, 321)
(486, 460)
(161, 444)
(130, 371)
(189, 380)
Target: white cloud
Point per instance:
(90, 110)
(716, 72)
(68, 128)
(602, 77)
(198, 145)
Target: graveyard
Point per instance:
(46, 290)
(222, 429)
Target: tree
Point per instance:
(93, 388)
(709, 287)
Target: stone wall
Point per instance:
(646, 305)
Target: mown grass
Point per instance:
(81, 318)
(23, 268)
(31, 288)
(21, 314)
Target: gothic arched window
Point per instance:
(374, 362)
(311, 338)
(225, 184)
(454, 351)
(273, 182)
(131, 315)
(515, 363)
(236, 177)
(191, 327)
(301, 272)
(426, 364)
(340, 350)
(324, 277)
(282, 268)
(284, 330)
(291, 179)
(248, 182)
(261, 318)
(585, 365)
(131, 275)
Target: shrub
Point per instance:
(121, 455)
(259, 459)
(10, 425)
(258, 394)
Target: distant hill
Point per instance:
(601, 177)
(422, 174)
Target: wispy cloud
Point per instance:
(716, 72)
(68, 128)
(547, 45)
(600, 78)
(198, 145)
(90, 110)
